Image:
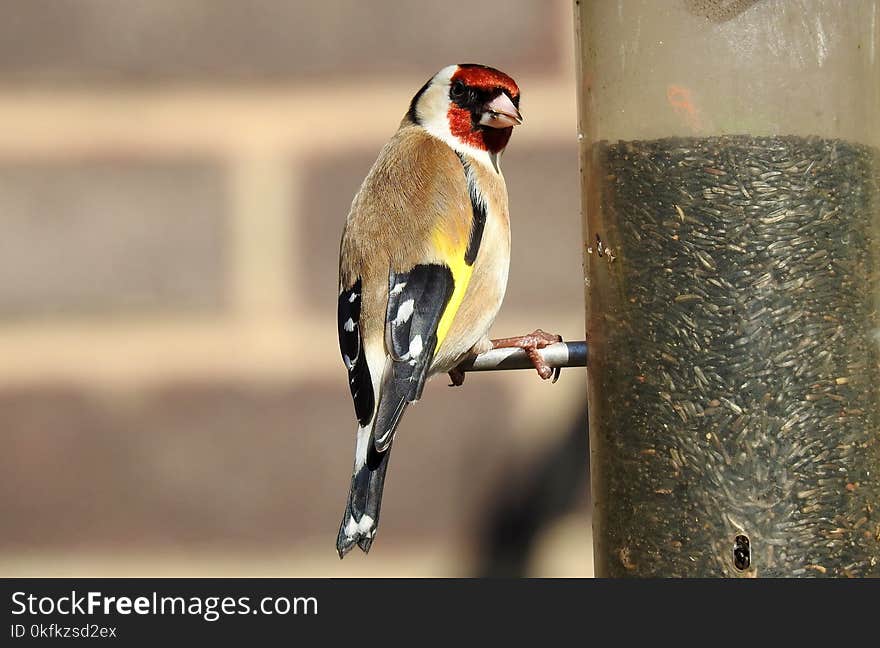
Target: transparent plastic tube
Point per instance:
(729, 156)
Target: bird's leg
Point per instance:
(530, 343)
(456, 375)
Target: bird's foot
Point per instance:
(456, 375)
(531, 343)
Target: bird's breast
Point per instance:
(485, 291)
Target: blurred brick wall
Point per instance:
(174, 177)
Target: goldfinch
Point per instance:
(423, 266)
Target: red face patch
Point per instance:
(486, 78)
(461, 122)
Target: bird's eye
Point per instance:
(457, 89)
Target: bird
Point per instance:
(423, 266)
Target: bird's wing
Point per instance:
(406, 245)
(351, 345)
(417, 301)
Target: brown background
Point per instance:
(174, 176)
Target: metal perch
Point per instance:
(561, 354)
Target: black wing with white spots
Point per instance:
(416, 302)
(351, 345)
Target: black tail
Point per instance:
(361, 518)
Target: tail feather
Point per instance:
(361, 518)
(402, 384)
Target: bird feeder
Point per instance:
(729, 156)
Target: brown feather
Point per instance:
(415, 190)
(415, 186)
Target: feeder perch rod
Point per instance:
(561, 354)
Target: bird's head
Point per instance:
(468, 106)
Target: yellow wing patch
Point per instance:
(451, 252)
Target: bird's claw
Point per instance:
(456, 375)
(542, 367)
(531, 344)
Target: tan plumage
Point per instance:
(423, 263)
(427, 219)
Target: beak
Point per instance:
(500, 113)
